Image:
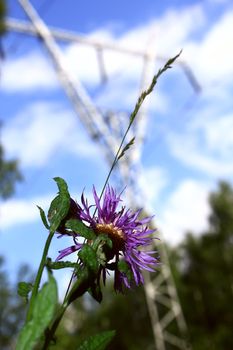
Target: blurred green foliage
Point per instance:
(12, 307)
(2, 16)
(9, 175)
(202, 268)
(204, 274)
(127, 314)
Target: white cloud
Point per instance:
(219, 134)
(219, 2)
(206, 144)
(212, 57)
(185, 210)
(30, 71)
(152, 181)
(42, 130)
(81, 63)
(122, 94)
(14, 212)
(164, 35)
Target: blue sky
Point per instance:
(189, 138)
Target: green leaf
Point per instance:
(98, 341)
(89, 258)
(60, 205)
(46, 301)
(43, 311)
(101, 239)
(24, 289)
(62, 185)
(53, 208)
(102, 245)
(56, 265)
(43, 217)
(95, 292)
(129, 144)
(124, 267)
(79, 227)
(80, 286)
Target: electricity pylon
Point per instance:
(161, 295)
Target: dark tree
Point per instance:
(12, 307)
(9, 175)
(2, 16)
(204, 273)
(127, 314)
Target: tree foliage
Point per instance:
(127, 314)
(204, 276)
(202, 267)
(2, 16)
(12, 307)
(9, 175)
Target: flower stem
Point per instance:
(133, 115)
(80, 287)
(38, 276)
(50, 332)
(115, 158)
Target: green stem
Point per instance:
(38, 276)
(79, 288)
(104, 186)
(50, 333)
(133, 115)
(115, 160)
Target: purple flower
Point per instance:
(129, 234)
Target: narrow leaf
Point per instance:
(46, 301)
(89, 258)
(80, 286)
(124, 268)
(56, 265)
(129, 144)
(60, 205)
(62, 185)
(98, 341)
(24, 289)
(43, 217)
(102, 245)
(43, 311)
(79, 227)
(95, 292)
(101, 239)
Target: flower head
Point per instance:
(128, 233)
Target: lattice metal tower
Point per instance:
(161, 295)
